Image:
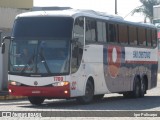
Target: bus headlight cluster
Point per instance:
(60, 83)
(14, 83)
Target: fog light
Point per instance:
(65, 91)
(10, 90)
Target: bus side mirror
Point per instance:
(3, 48)
(3, 44)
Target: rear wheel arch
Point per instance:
(92, 81)
(88, 92)
(89, 78)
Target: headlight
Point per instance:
(14, 83)
(60, 83)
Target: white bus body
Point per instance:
(104, 67)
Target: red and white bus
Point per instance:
(80, 54)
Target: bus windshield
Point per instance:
(40, 46)
(39, 56)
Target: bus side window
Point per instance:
(104, 36)
(107, 37)
(91, 30)
(101, 32)
(79, 30)
(123, 34)
(141, 36)
(149, 38)
(154, 37)
(112, 33)
(132, 35)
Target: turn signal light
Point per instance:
(60, 83)
(15, 83)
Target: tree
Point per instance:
(146, 8)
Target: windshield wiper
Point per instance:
(44, 62)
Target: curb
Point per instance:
(9, 97)
(4, 95)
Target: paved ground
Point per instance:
(111, 102)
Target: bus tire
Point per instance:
(36, 100)
(98, 97)
(143, 88)
(136, 88)
(89, 93)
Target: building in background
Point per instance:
(20, 4)
(8, 10)
(156, 21)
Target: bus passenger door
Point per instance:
(77, 65)
(77, 71)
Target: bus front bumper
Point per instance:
(50, 92)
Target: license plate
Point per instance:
(36, 92)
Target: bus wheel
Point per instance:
(98, 97)
(89, 93)
(136, 88)
(143, 88)
(36, 100)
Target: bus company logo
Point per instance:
(114, 60)
(35, 83)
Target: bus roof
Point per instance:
(68, 12)
(87, 13)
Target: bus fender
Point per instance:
(89, 77)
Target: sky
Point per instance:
(124, 7)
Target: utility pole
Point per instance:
(115, 6)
